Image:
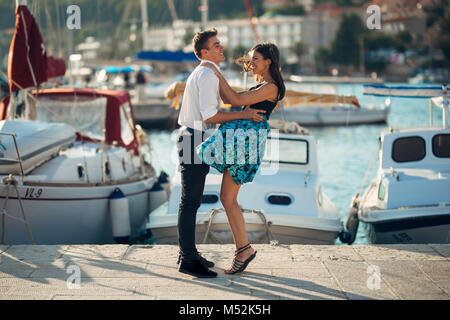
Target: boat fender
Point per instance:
(80, 170)
(107, 168)
(164, 182)
(352, 221)
(120, 216)
(157, 196)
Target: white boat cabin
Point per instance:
(414, 168)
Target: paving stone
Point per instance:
(322, 252)
(35, 252)
(95, 252)
(3, 248)
(398, 252)
(409, 281)
(284, 272)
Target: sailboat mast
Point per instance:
(173, 12)
(144, 18)
(252, 20)
(204, 9)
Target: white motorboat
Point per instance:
(284, 203)
(320, 105)
(409, 199)
(333, 114)
(76, 170)
(312, 109)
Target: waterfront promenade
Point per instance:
(136, 272)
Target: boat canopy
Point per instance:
(167, 56)
(89, 111)
(124, 69)
(402, 91)
(176, 90)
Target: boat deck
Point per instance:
(278, 272)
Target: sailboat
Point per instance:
(330, 110)
(74, 167)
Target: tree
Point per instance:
(346, 47)
(289, 9)
(237, 52)
(323, 58)
(298, 49)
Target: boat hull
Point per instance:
(71, 215)
(282, 234)
(213, 228)
(326, 117)
(415, 230)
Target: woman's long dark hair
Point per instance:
(270, 51)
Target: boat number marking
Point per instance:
(32, 193)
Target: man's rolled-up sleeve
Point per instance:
(208, 95)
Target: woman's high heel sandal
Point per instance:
(239, 266)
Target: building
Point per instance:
(314, 31)
(89, 48)
(274, 4)
(403, 15)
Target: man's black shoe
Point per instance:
(204, 261)
(195, 268)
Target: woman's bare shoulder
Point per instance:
(269, 89)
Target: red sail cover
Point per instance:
(27, 64)
(55, 67)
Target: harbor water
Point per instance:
(346, 153)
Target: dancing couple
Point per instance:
(200, 112)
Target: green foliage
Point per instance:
(375, 65)
(289, 10)
(344, 3)
(345, 49)
(298, 48)
(376, 40)
(101, 18)
(438, 18)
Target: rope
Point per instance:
(11, 181)
(214, 212)
(367, 171)
(28, 51)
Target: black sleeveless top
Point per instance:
(266, 105)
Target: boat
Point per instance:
(333, 114)
(326, 108)
(80, 149)
(74, 167)
(284, 204)
(311, 109)
(408, 200)
(402, 91)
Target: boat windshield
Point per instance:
(285, 150)
(84, 114)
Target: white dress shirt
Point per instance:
(201, 99)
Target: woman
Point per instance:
(243, 166)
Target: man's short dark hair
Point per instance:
(200, 40)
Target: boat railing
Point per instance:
(18, 160)
(444, 106)
(9, 181)
(213, 213)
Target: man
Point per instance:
(140, 86)
(199, 111)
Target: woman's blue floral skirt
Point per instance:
(237, 146)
